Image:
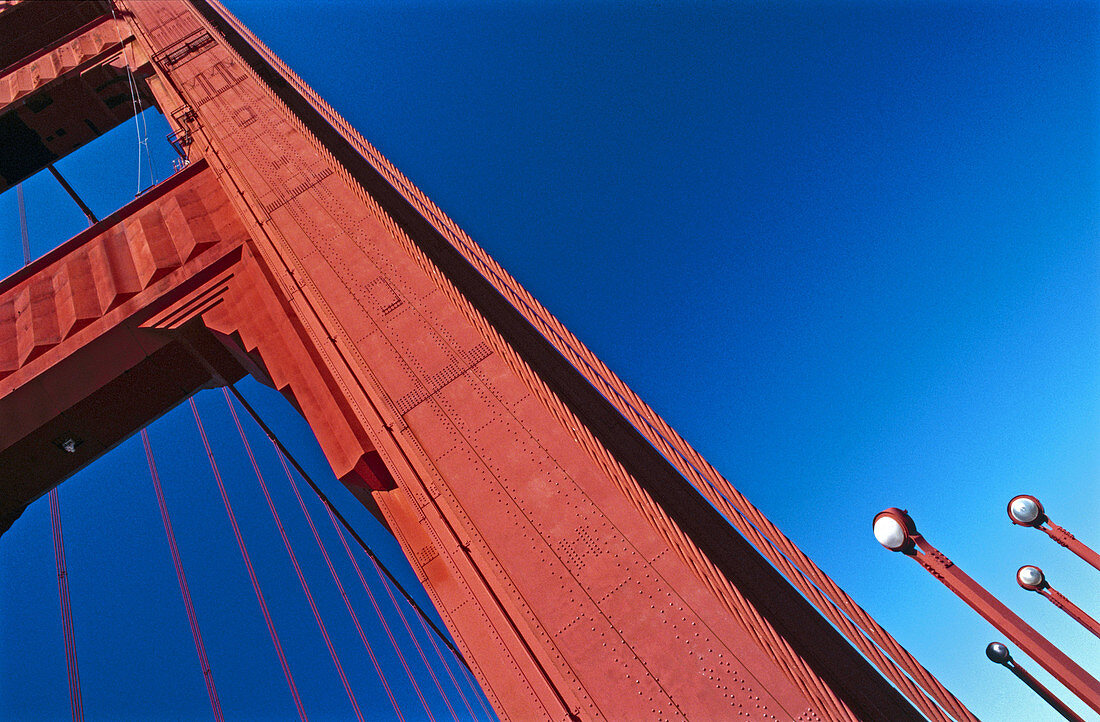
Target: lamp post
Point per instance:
(1025, 510)
(998, 654)
(1031, 578)
(895, 530)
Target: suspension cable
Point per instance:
(66, 611)
(479, 694)
(341, 524)
(139, 118)
(177, 561)
(339, 585)
(75, 701)
(416, 643)
(23, 225)
(385, 624)
(92, 220)
(248, 565)
(294, 559)
(346, 525)
(443, 661)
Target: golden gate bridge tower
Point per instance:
(587, 562)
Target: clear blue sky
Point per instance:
(848, 250)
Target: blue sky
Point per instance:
(848, 250)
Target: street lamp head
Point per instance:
(1025, 510)
(894, 529)
(1031, 578)
(998, 653)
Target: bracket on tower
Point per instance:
(193, 44)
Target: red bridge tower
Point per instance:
(588, 562)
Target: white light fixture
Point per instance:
(1024, 509)
(890, 533)
(1030, 577)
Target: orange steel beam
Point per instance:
(582, 575)
(65, 95)
(29, 28)
(74, 364)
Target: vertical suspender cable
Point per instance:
(382, 618)
(75, 702)
(294, 560)
(177, 561)
(344, 523)
(416, 643)
(66, 611)
(443, 661)
(479, 694)
(248, 565)
(340, 586)
(23, 225)
(139, 119)
(341, 524)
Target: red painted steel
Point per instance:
(67, 94)
(860, 629)
(1076, 613)
(1075, 545)
(75, 362)
(30, 28)
(426, 358)
(579, 551)
(1047, 696)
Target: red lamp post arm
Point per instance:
(1071, 542)
(1038, 688)
(1078, 614)
(1036, 646)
